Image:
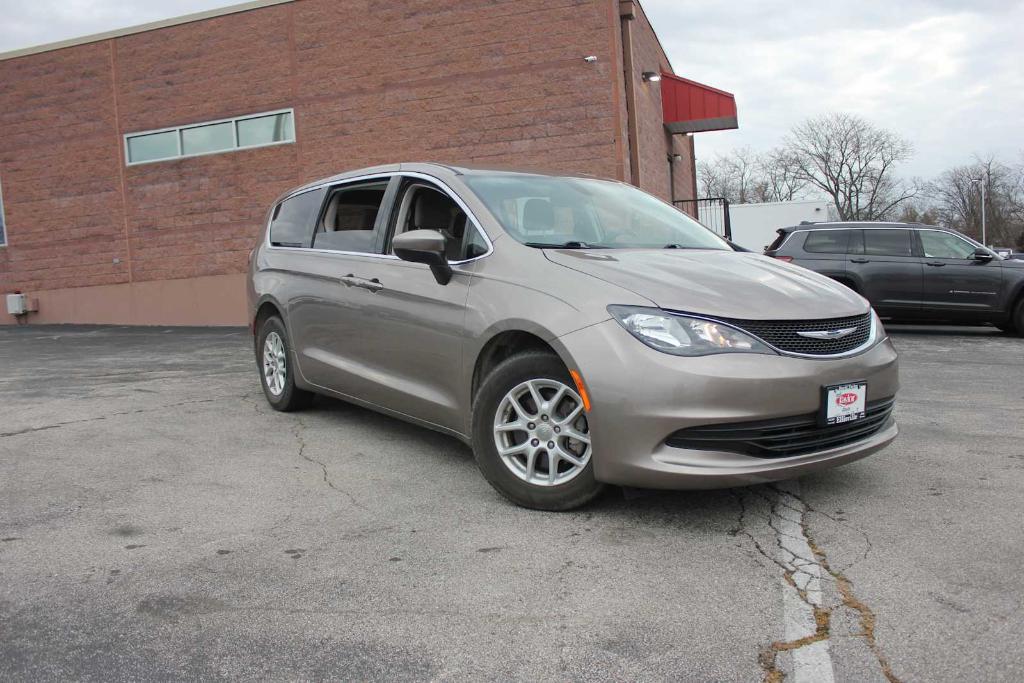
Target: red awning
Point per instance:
(691, 107)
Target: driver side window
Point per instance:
(422, 206)
(944, 245)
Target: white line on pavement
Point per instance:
(812, 663)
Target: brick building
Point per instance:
(136, 166)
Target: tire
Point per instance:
(1018, 318)
(279, 390)
(524, 373)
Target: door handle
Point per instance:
(373, 285)
(349, 280)
(934, 264)
(860, 260)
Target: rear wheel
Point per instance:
(1018, 318)
(275, 360)
(531, 438)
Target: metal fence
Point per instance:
(712, 212)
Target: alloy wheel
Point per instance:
(541, 432)
(275, 367)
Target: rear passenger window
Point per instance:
(887, 243)
(350, 217)
(827, 241)
(292, 223)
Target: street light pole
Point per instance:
(981, 183)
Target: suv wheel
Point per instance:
(531, 439)
(274, 360)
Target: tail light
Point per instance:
(787, 259)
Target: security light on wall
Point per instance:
(651, 76)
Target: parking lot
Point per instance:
(159, 521)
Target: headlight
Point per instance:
(879, 331)
(684, 336)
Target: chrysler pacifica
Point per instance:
(575, 332)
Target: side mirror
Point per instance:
(981, 254)
(424, 246)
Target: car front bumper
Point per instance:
(639, 397)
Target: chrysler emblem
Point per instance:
(828, 334)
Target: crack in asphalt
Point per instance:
(795, 574)
(298, 428)
(57, 425)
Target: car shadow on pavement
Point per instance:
(678, 508)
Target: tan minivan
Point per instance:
(575, 332)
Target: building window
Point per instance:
(211, 137)
(3, 223)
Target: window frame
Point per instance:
(387, 209)
(234, 136)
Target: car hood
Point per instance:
(717, 283)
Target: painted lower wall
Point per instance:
(217, 300)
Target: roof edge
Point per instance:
(141, 28)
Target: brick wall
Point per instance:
(479, 81)
(59, 161)
(488, 82)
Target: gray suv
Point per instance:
(575, 332)
(910, 271)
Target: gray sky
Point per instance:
(947, 75)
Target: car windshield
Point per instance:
(579, 213)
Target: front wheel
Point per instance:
(531, 438)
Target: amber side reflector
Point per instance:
(581, 389)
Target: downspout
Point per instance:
(627, 13)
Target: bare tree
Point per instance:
(734, 176)
(957, 194)
(853, 162)
(779, 177)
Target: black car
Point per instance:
(912, 272)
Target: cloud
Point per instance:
(945, 75)
(45, 21)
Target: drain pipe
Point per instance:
(627, 13)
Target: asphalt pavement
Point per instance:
(158, 521)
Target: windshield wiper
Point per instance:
(572, 244)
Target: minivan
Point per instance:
(575, 332)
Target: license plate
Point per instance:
(844, 402)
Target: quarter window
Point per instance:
(944, 245)
(887, 243)
(349, 221)
(292, 221)
(827, 241)
(210, 137)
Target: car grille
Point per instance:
(783, 437)
(782, 334)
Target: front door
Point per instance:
(416, 325)
(888, 271)
(955, 282)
